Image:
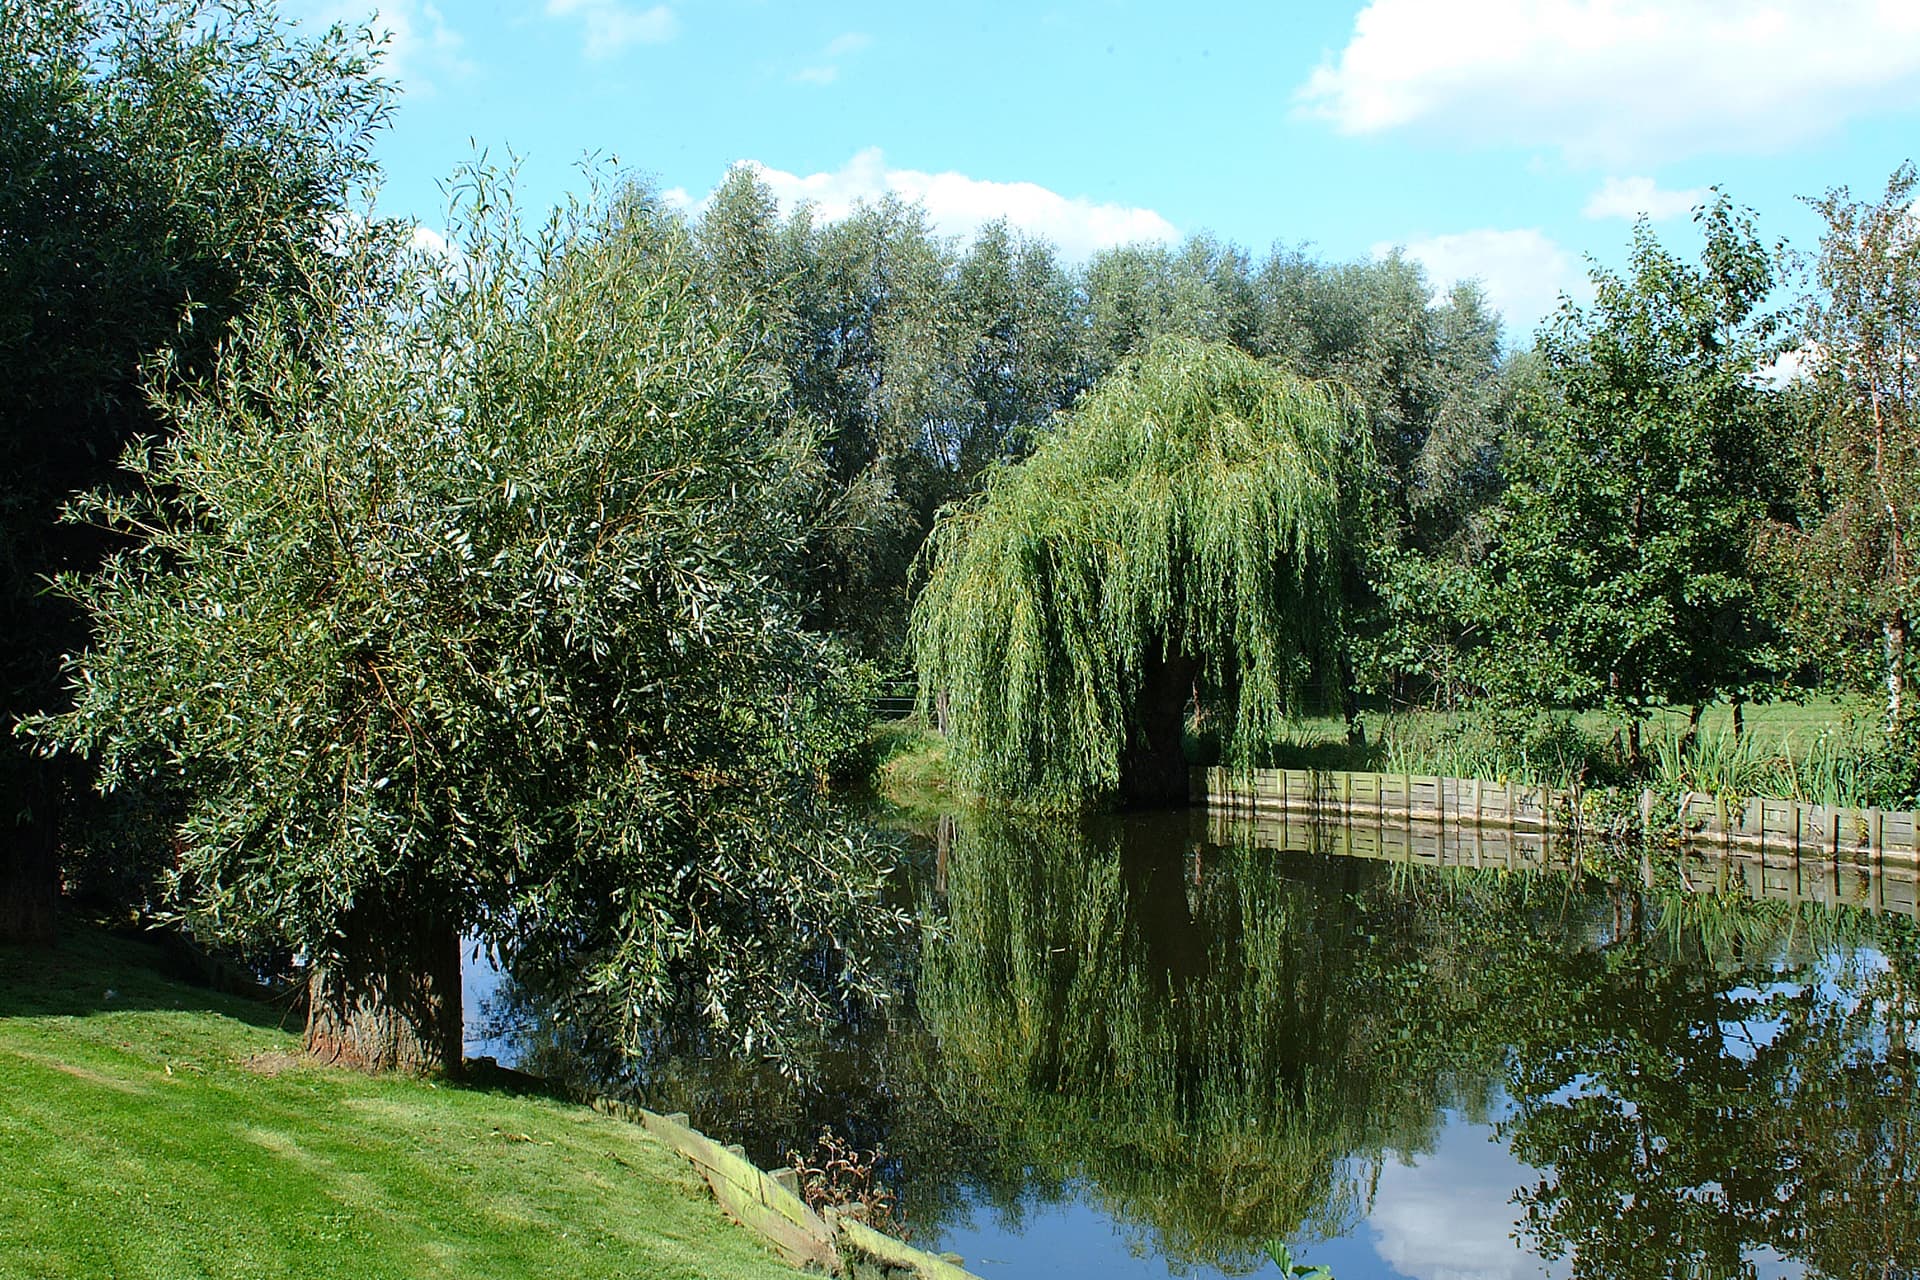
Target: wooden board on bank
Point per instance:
(762, 1202)
(1758, 823)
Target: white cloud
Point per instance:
(428, 243)
(1608, 79)
(1794, 365)
(1631, 198)
(958, 205)
(420, 45)
(1451, 1215)
(611, 26)
(1523, 271)
(838, 50)
(848, 43)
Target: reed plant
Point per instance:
(1848, 764)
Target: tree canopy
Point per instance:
(1622, 571)
(164, 164)
(1861, 539)
(1179, 533)
(458, 614)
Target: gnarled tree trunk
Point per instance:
(1153, 763)
(391, 1000)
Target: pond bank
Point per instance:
(137, 1108)
(1753, 825)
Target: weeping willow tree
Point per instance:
(1177, 538)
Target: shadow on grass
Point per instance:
(90, 969)
(1324, 754)
(484, 1075)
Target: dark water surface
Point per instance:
(1145, 1046)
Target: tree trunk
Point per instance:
(30, 870)
(391, 1000)
(1895, 631)
(1692, 735)
(1350, 702)
(1739, 719)
(1153, 764)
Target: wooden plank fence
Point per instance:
(1776, 873)
(1760, 824)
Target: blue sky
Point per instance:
(1493, 139)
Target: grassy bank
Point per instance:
(1823, 751)
(911, 769)
(153, 1129)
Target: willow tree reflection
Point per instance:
(1220, 1049)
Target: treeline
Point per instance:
(923, 363)
(1699, 488)
(355, 600)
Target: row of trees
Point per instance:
(529, 592)
(925, 365)
(1681, 494)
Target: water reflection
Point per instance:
(1171, 1027)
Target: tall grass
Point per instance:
(1532, 749)
(1521, 747)
(1847, 762)
(1845, 765)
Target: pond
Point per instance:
(1147, 1046)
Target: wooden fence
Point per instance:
(1779, 874)
(1759, 825)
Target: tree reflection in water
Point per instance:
(1221, 1045)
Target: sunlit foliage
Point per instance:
(1186, 516)
(458, 614)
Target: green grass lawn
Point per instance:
(1792, 725)
(153, 1129)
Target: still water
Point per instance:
(1146, 1046)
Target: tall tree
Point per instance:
(1018, 350)
(1430, 379)
(164, 164)
(1180, 532)
(1137, 293)
(918, 365)
(1623, 573)
(447, 628)
(1860, 551)
(867, 360)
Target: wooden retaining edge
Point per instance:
(1703, 868)
(764, 1203)
(1761, 824)
(875, 1252)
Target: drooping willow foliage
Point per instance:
(1188, 510)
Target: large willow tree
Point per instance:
(458, 615)
(1177, 538)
